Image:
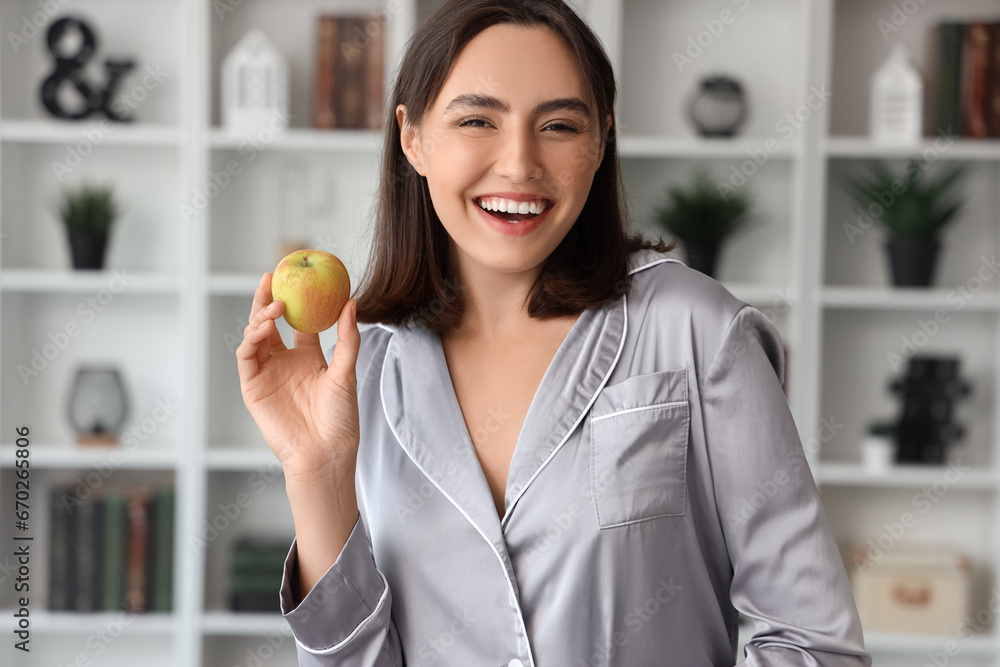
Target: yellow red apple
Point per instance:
(314, 286)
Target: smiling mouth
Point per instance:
(504, 209)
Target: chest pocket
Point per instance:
(638, 448)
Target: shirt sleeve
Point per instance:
(345, 618)
(788, 575)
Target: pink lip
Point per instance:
(512, 228)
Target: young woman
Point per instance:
(556, 446)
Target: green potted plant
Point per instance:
(702, 217)
(88, 212)
(914, 209)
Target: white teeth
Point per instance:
(510, 206)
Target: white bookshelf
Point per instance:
(174, 328)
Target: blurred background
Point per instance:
(834, 163)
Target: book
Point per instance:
(992, 112)
(113, 579)
(374, 76)
(948, 115)
(137, 508)
(255, 569)
(349, 72)
(325, 117)
(975, 56)
(61, 561)
(162, 549)
(88, 551)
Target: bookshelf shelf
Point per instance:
(92, 132)
(691, 147)
(59, 457)
(176, 325)
(919, 644)
(87, 282)
(904, 476)
(301, 139)
(934, 149)
(233, 284)
(226, 623)
(230, 459)
(904, 298)
(68, 623)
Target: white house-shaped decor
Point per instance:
(254, 85)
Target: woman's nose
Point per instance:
(519, 157)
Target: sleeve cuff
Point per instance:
(348, 595)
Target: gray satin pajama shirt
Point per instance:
(634, 526)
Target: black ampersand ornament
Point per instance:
(70, 69)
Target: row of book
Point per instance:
(112, 550)
(350, 56)
(967, 96)
(255, 569)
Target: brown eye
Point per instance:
(563, 127)
(468, 122)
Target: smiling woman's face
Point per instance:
(513, 121)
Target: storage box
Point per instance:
(909, 588)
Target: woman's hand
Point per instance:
(306, 411)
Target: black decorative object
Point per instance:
(87, 250)
(913, 260)
(702, 256)
(719, 107)
(88, 213)
(69, 69)
(97, 405)
(929, 391)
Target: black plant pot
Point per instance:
(912, 260)
(702, 256)
(87, 249)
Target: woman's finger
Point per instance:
(254, 350)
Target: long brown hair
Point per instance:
(407, 278)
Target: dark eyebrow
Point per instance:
(490, 102)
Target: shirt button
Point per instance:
(515, 663)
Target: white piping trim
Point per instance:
(621, 346)
(373, 615)
(672, 404)
(503, 566)
(659, 261)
